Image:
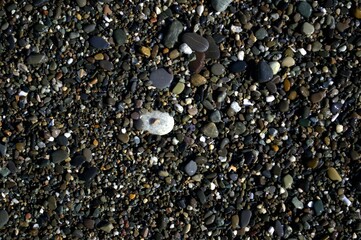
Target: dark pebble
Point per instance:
(305, 9)
(59, 156)
(284, 106)
(264, 72)
(172, 35)
(238, 66)
(89, 28)
(4, 218)
(120, 36)
(279, 229)
(318, 207)
(3, 149)
(98, 42)
(245, 217)
(106, 65)
(89, 223)
(62, 140)
(201, 196)
(160, 78)
(78, 160)
(89, 174)
(217, 69)
(196, 42)
(213, 51)
(197, 65)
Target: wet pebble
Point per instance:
(173, 33)
(217, 69)
(196, 42)
(333, 174)
(198, 80)
(238, 66)
(318, 207)
(98, 42)
(59, 156)
(161, 78)
(264, 72)
(220, 5)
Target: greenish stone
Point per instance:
(178, 89)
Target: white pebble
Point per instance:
(271, 230)
(247, 102)
(157, 123)
(70, 61)
(236, 29)
(200, 10)
(240, 55)
(179, 108)
(184, 48)
(346, 201)
(270, 98)
(339, 128)
(302, 51)
(275, 67)
(235, 107)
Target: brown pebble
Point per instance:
(357, 13)
(99, 56)
(197, 65)
(292, 95)
(174, 54)
(304, 91)
(124, 138)
(317, 97)
(145, 51)
(286, 85)
(198, 80)
(333, 174)
(313, 163)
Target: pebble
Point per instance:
(178, 88)
(288, 181)
(261, 34)
(157, 123)
(184, 48)
(36, 58)
(284, 105)
(88, 174)
(106, 65)
(196, 42)
(145, 51)
(279, 229)
(218, 69)
(245, 218)
(357, 12)
(161, 78)
(197, 65)
(98, 42)
(235, 221)
(288, 62)
(305, 9)
(235, 107)
(59, 156)
(191, 168)
(308, 28)
(120, 36)
(89, 223)
(220, 5)
(264, 72)
(317, 97)
(275, 67)
(318, 207)
(297, 203)
(210, 130)
(213, 51)
(3, 149)
(333, 174)
(81, 3)
(175, 29)
(215, 116)
(198, 80)
(339, 128)
(123, 137)
(237, 66)
(4, 218)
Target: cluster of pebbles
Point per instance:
(179, 119)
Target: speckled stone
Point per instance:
(210, 130)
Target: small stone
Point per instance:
(191, 168)
(89, 223)
(317, 97)
(339, 128)
(261, 34)
(275, 67)
(210, 130)
(284, 105)
(305, 9)
(238, 66)
(36, 58)
(198, 80)
(123, 137)
(333, 174)
(88, 28)
(174, 54)
(98, 42)
(288, 181)
(184, 48)
(235, 107)
(264, 72)
(157, 123)
(218, 69)
(4, 218)
(120, 36)
(357, 12)
(220, 5)
(245, 217)
(297, 203)
(197, 65)
(59, 156)
(88, 174)
(318, 207)
(213, 51)
(81, 3)
(215, 116)
(336, 107)
(161, 78)
(288, 62)
(178, 89)
(172, 35)
(3, 149)
(196, 42)
(308, 28)
(52, 204)
(235, 221)
(108, 227)
(106, 65)
(279, 229)
(313, 163)
(145, 51)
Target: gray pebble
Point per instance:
(81, 3)
(98, 42)
(217, 69)
(245, 217)
(279, 229)
(36, 58)
(215, 116)
(161, 78)
(318, 207)
(172, 35)
(220, 5)
(196, 42)
(264, 72)
(305, 9)
(261, 34)
(191, 168)
(210, 130)
(4, 218)
(120, 36)
(59, 156)
(3, 149)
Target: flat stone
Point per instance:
(59, 156)
(237, 66)
(264, 72)
(89, 174)
(218, 69)
(4, 218)
(318, 207)
(213, 51)
(196, 42)
(3, 149)
(220, 5)
(284, 105)
(333, 174)
(261, 34)
(288, 181)
(245, 218)
(191, 168)
(161, 78)
(288, 62)
(106, 65)
(279, 229)
(305, 9)
(52, 204)
(308, 28)
(317, 97)
(210, 130)
(197, 65)
(297, 203)
(77, 160)
(36, 58)
(198, 80)
(98, 42)
(275, 67)
(178, 88)
(172, 35)
(157, 123)
(120, 36)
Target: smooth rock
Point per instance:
(275, 67)
(106, 65)
(235, 221)
(264, 72)
(59, 156)
(288, 62)
(237, 66)
(191, 168)
(279, 229)
(198, 80)
(4, 218)
(196, 42)
(333, 174)
(3, 149)
(210, 130)
(157, 123)
(284, 105)
(317, 97)
(88, 174)
(120, 36)
(308, 28)
(288, 181)
(261, 34)
(178, 88)
(217, 69)
(297, 203)
(36, 58)
(305, 9)
(318, 207)
(220, 5)
(245, 218)
(213, 51)
(161, 78)
(215, 116)
(98, 42)
(197, 65)
(172, 35)
(81, 3)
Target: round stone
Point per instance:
(218, 69)
(305, 9)
(287, 181)
(238, 66)
(198, 80)
(157, 123)
(161, 78)
(98, 42)
(4, 218)
(210, 130)
(36, 58)
(275, 67)
(172, 35)
(120, 36)
(261, 34)
(284, 106)
(196, 42)
(191, 168)
(288, 62)
(264, 72)
(308, 28)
